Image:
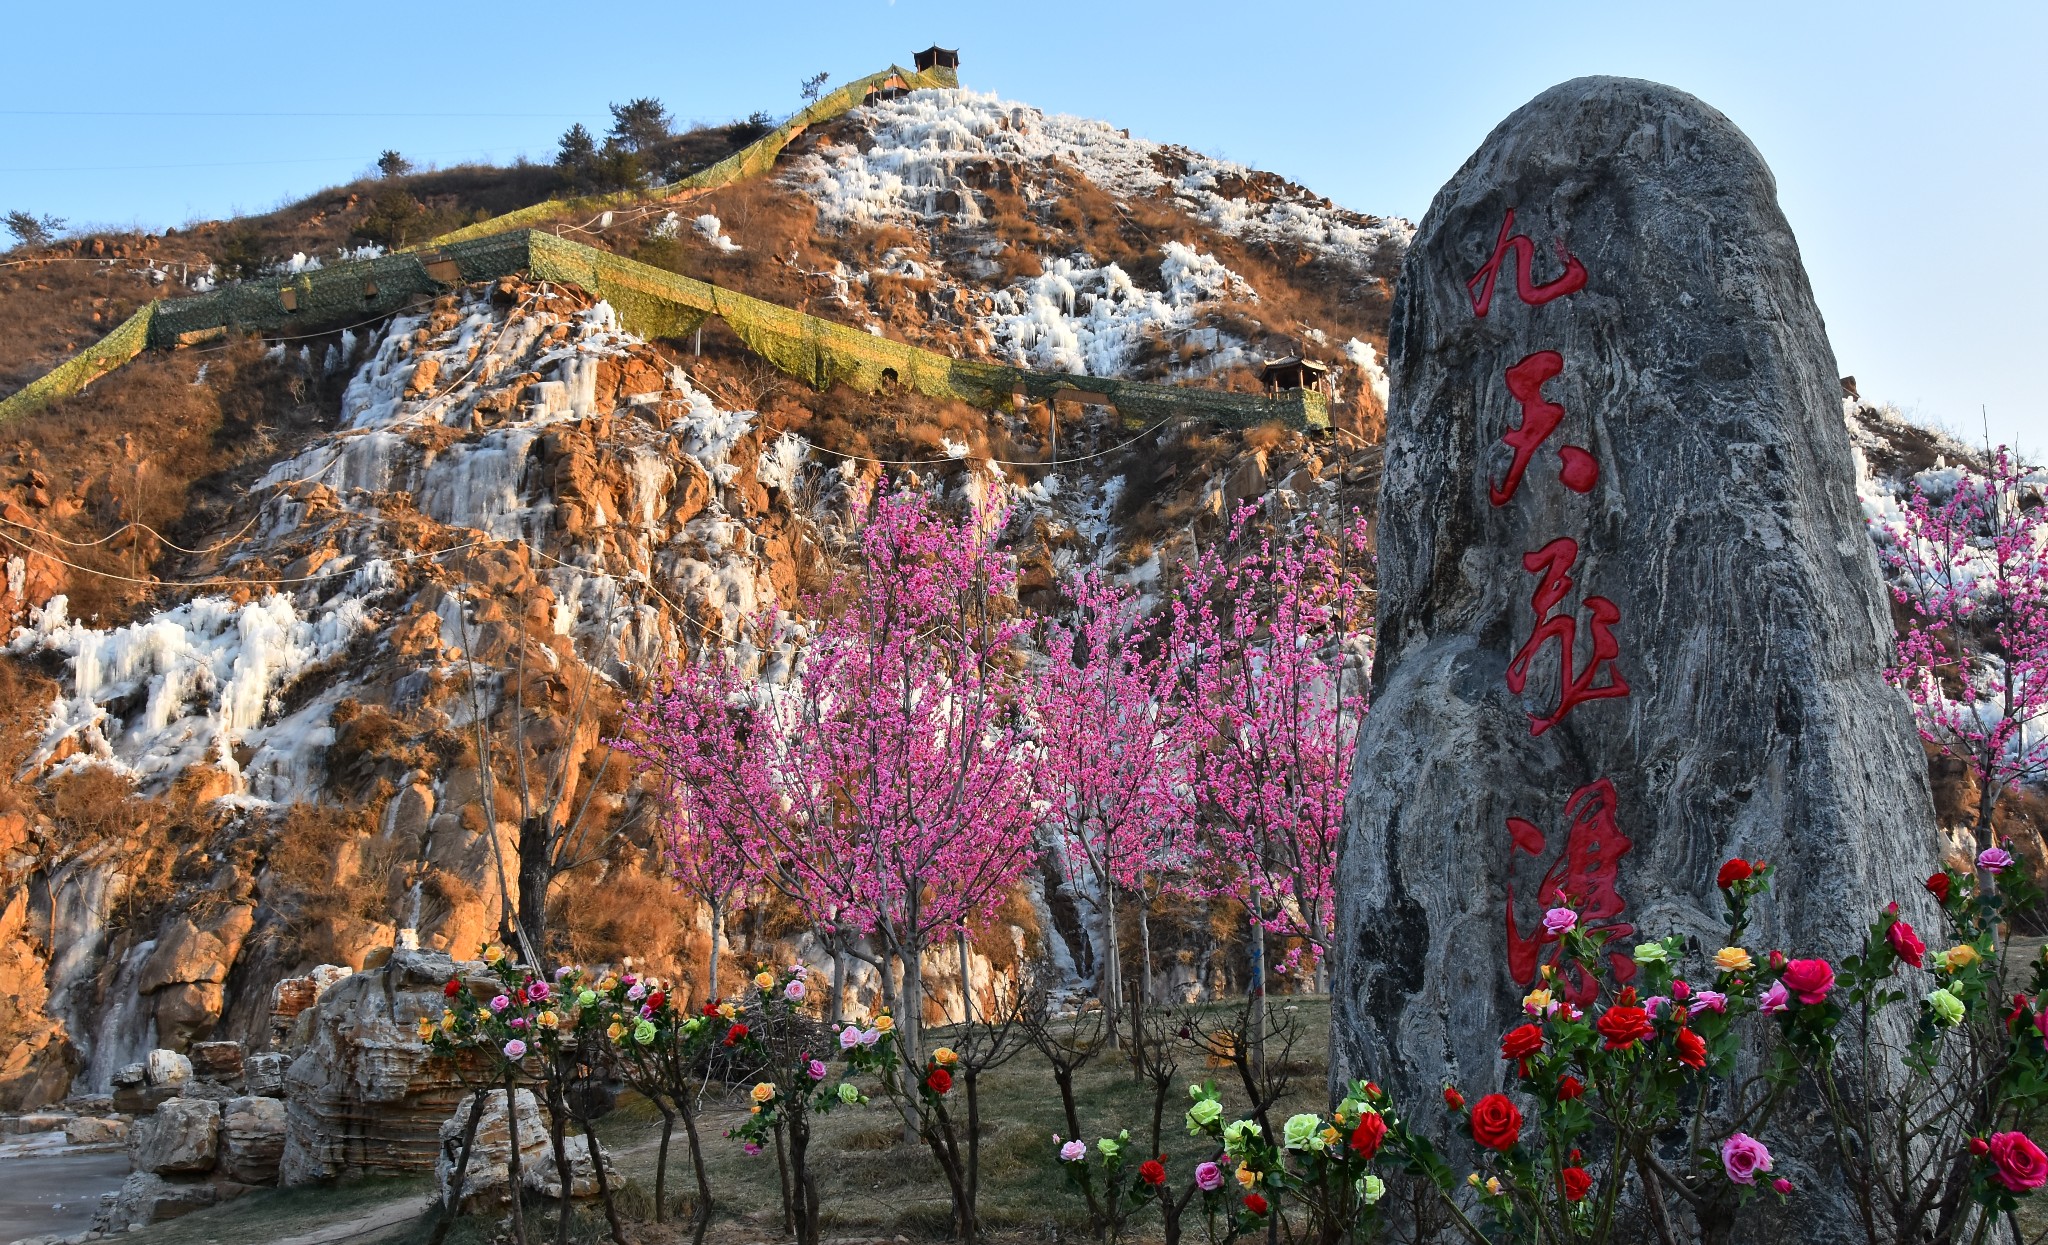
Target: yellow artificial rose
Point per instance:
(1493, 1185)
(616, 1031)
(1732, 960)
(885, 1022)
(727, 1010)
(1246, 1176)
(483, 1015)
(1959, 957)
(606, 982)
(764, 980)
(753, 1110)
(425, 1028)
(493, 953)
(447, 1022)
(548, 1020)
(1536, 999)
(1331, 1136)
(945, 1057)
(763, 1091)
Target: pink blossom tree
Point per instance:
(1271, 647)
(1972, 571)
(886, 786)
(1105, 769)
(690, 738)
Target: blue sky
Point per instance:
(1907, 140)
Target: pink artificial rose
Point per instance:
(1073, 1152)
(2017, 1162)
(817, 1069)
(1743, 1157)
(1994, 860)
(1558, 920)
(1208, 1177)
(794, 991)
(1905, 943)
(515, 1049)
(1681, 991)
(849, 1037)
(1774, 999)
(536, 991)
(1783, 1186)
(1708, 1000)
(499, 1003)
(1810, 980)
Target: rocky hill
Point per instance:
(308, 628)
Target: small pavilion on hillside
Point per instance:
(936, 57)
(1294, 372)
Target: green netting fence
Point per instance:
(127, 340)
(752, 160)
(652, 302)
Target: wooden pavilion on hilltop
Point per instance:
(936, 57)
(1294, 372)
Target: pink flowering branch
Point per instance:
(1972, 572)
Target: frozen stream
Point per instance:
(51, 1187)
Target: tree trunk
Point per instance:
(452, 1206)
(717, 936)
(1257, 1014)
(604, 1186)
(512, 1167)
(1145, 949)
(536, 876)
(838, 987)
(558, 1126)
(782, 1179)
(703, 1216)
(966, 982)
(912, 1017)
(1109, 973)
(668, 1128)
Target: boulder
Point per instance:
(264, 1073)
(93, 1130)
(134, 1095)
(186, 1010)
(363, 1097)
(544, 1179)
(252, 1139)
(293, 995)
(166, 1068)
(146, 1197)
(1630, 622)
(184, 953)
(216, 1061)
(181, 1137)
(485, 1181)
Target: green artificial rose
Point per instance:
(586, 998)
(848, 1094)
(1301, 1131)
(1948, 1009)
(1204, 1113)
(1110, 1147)
(1371, 1189)
(1652, 953)
(1238, 1136)
(643, 1033)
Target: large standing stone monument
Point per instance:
(1630, 621)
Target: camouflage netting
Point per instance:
(653, 303)
(83, 368)
(752, 160)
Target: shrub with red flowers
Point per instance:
(800, 1076)
(1934, 1074)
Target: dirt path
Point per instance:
(373, 1219)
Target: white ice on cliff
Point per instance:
(919, 143)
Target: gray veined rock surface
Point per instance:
(1700, 464)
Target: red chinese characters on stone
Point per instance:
(1554, 562)
(1540, 418)
(1480, 287)
(1582, 878)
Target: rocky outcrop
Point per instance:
(486, 1180)
(1630, 623)
(252, 1139)
(182, 1137)
(362, 1097)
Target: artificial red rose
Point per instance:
(1979, 1147)
(1521, 1043)
(656, 999)
(1731, 873)
(2019, 1008)
(1905, 943)
(1623, 1026)
(1152, 1172)
(939, 1081)
(2018, 1163)
(1576, 1183)
(1937, 886)
(1692, 1049)
(1496, 1122)
(1569, 1088)
(1810, 980)
(711, 1009)
(1255, 1204)
(734, 1034)
(452, 989)
(1453, 1100)
(1777, 961)
(1366, 1138)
